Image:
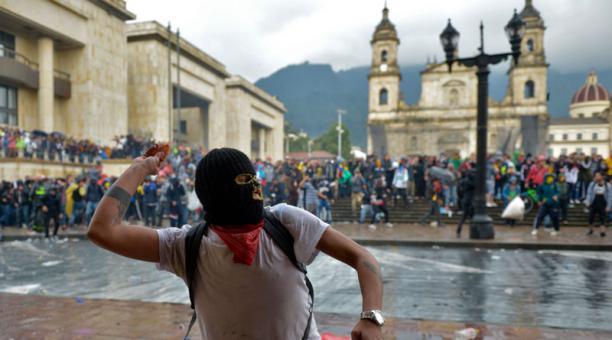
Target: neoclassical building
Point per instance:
(589, 127)
(78, 67)
(444, 118)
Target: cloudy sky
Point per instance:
(254, 38)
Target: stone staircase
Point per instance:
(414, 211)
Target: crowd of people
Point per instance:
(446, 183)
(54, 146)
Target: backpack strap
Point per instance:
(193, 240)
(283, 239)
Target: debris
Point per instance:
(79, 300)
(495, 257)
(508, 291)
(466, 334)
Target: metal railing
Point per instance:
(9, 53)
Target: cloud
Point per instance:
(255, 38)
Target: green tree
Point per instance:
(328, 141)
(298, 140)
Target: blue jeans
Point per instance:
(78, 208)
(89, 210)
(324, 211)
(365, 209)
(23, 215)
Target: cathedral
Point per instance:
(444, 118)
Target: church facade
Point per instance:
(444, 118)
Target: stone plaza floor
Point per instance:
(43, 317)
(570, 238)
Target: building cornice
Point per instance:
(116, 8)
(153, 30)
(245, 85)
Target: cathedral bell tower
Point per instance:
(528, 79)
(384, 78)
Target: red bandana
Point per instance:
(242, 240)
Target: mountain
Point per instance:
(313, 92)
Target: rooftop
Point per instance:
(146, 30)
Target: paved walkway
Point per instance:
(570, 238)
(43, 317)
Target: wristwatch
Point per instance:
(374, 315)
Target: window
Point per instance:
(530, 45)
(551, 137)
(183, 127)
(551, 152)
(453, 97)
(7, 45)
(383, 56)
(563, 151)
(565, 136)
(8, 105)
(529, 89)
(579, 136)
(383, 97)
(578, 150)
(595, 136)
(593, 151)
(581, 115)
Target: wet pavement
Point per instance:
(526, 288)
(42, 317)
(570, 238)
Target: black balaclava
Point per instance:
(224, 201)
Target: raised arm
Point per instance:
(107, 229)
(342, 248)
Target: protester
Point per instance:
(548, 193)
(599, 202)
(435, 196)
(241, 267)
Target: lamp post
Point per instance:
(340, 131)
(481, 226)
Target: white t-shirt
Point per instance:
(266, 300)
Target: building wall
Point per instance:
(557, 144)
(148, 90)
(242, 103)
(90, 45)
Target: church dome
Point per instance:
(591, 91)
(385, 30)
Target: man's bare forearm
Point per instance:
(115, 202)
(370, 281)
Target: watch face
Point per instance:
(379, 318)
(383, 67)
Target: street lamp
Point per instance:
(481, 226)
(340, 131)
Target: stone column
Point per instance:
(45, 84)
(262, 142)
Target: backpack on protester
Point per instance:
(277, 232)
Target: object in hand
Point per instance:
(157, 148)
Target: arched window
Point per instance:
(453, 97)
(383, 56)
(383, 97)
(530, 45)
(529, 89)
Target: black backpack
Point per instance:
(279, 234)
